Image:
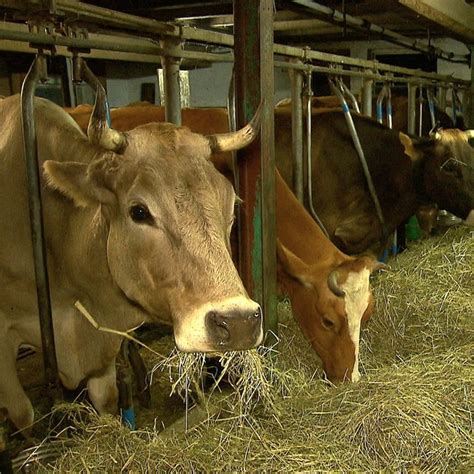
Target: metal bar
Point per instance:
(346, 91)
(379, 106)
(411, 108)
(420, 111)
(38, 72)
(367, 75)
(254, 80)
(309, 55)
(367, 97)
(188, 33)
(389, 106)
(431, 106)
(171, 84)
(337, 17)
(443, 90)
(308, 92)
(296, 78)
(360, 153)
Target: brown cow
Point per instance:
(329, 291)
(137, 229)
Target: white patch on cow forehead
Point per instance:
(357, 291)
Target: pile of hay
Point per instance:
(412, 410)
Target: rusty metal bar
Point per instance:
(296, 78)
(171, 83)
(254, 81)
(38, 72)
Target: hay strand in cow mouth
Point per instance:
(412, 411)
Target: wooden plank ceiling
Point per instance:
(297, 25)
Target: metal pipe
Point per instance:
(360, 153)
(339, 18)
(420, 112)
(296, 78)
(372, 76)
(379, 106)
(309, 151)
(443, 90)
(171, 84)
(367, 97)
(411, 108)
(389, 107)
(347, 92)
(431, 106)
(38, 72)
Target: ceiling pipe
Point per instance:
(344, 20)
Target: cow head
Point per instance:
(330, 307)
(446, 165)
(167, 215)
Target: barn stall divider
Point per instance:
(253, 31)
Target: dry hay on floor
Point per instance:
(412, 410)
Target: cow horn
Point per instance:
(469, 134)
(220, 142)
(98, 131)
(334, 285)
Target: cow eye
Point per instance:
(140, 214)
(327, 323)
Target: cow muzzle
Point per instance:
(231, 324)
(235, 330)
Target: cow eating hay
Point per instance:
(413, 409)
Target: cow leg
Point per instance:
(103, 391)
(12, 395)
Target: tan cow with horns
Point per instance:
(137, 228)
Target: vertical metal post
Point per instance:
(470, 94)
(367, 97)
(443, 90)
(411, 108)
(253, 32)
(38, 72)
(171, 81)
(296, 78)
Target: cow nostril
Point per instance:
(258, 313)
(220, 328)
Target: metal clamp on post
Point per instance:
(355, 138)
(307, 95)
(385, 93)
(37, 73)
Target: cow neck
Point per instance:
(418, 169)
(297, 230)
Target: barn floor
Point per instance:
(412, 411)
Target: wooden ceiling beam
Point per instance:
(456, 15)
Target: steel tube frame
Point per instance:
(360, 153)
(38, 72)
(191, 34)
(337, 17)
(420, 111)
(412, 108)
(171, 82)
(367, 97)
(308, 93)
(296, 78)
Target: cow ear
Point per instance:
(293, 265)
(77, 181)
(410, 147)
